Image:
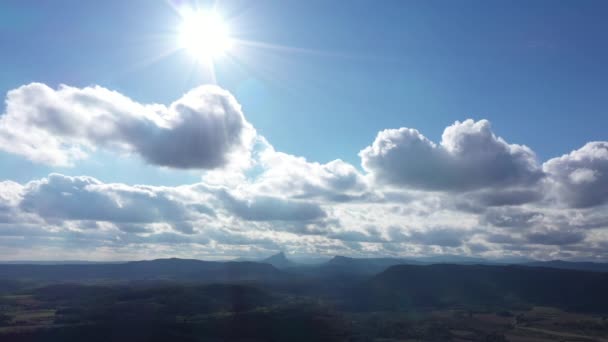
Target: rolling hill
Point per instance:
(159, 269)
(448, 285)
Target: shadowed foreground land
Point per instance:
(185, 300)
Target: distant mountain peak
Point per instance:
(277, 257)
(279, 260)
(339, 259)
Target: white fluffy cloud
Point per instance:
(85, 198)
(200, 130)
(269, 208)
(470, 156)
(473, 193)
(580, 179)
(294, 176)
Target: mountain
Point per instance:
(475, 286)
(56, 262)
(308, 260)
(364, 265)
(279, 261)
(159, 269)
(570, 265)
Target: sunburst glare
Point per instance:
(204, 34)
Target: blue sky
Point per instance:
(324, 78)
(361, 68)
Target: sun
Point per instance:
(204, 34)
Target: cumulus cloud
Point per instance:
(482, 200)
(580, 179)
(295, 176)
(85, 198)
(200, 130)
(470, 156)
(471, 193)
(504, 239)
(438, 237)
(10, 195)
(512, 218)
(555, 237)
(505, 197)
(267, 208)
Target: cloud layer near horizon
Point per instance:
(472, 193)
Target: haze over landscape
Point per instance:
(429, 169)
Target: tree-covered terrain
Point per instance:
(189, 300)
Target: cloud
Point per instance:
(133, 228)
(85, 198)
(580, 179)
(511, 218)
(294, 176)
(482, 200)
(369, 234)
(10, 195)
(472, 193)
(470, 156)
(555, 237)
(438, 237)
(200, 130)
(446, 237)
(505, 197)
(267, 208)
(504, 239)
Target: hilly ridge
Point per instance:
(570, 265)
(448, 285)
(193, 300)
(279, 261)
(159, 269)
